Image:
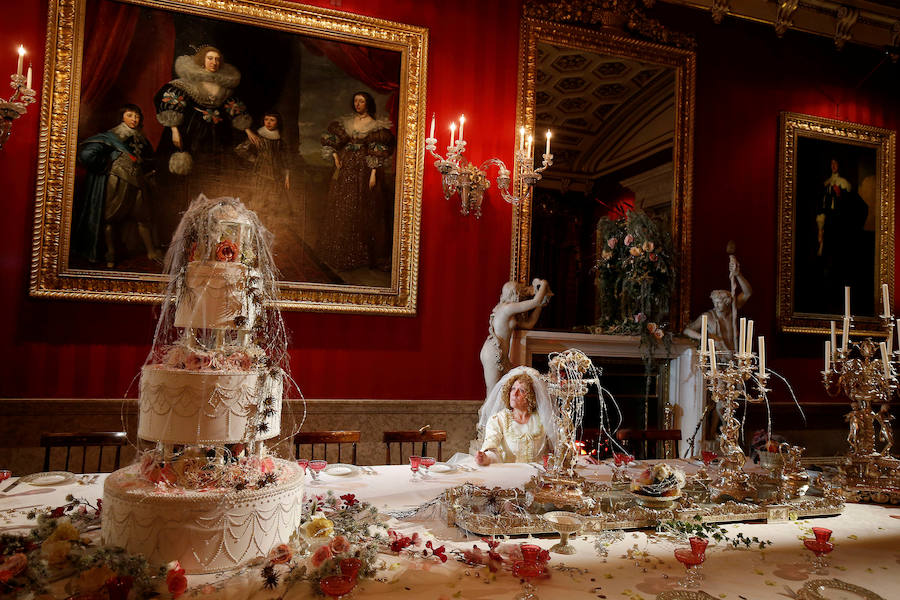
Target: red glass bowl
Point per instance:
(698, 545)
(822, 534)
(528, 570)
(818, 547)
(337, 585)
(687, 557)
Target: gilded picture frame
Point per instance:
(836, 187)
(294, 46)
(683, 62)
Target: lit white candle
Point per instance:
(885, 300)
(712, 355)
(827, 356)
(748, 347)
(521, 139)
(762, 356)
(704, 324)
(28, 78)
(462, 123)
(452, 132)
(742, 337)
(21, 58)
(431, 135)
(530, 146)
(845, 334)
(846, 301)
(884, 360)
(833, 337)
(548, 142)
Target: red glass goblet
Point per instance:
(337, 586)
(414, 462)
(698, 545)
(526, 570)
(427, 462)
(821, 547)
(5, 474)
(303, 463)
(708, 457)
(315, 466)
(692, 562)
(350, 567)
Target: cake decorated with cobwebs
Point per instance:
(206, 492)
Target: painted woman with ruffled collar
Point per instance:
(200, 113)
(360, 204)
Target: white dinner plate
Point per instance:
(48, 478)
(441, 467)
(341, 469)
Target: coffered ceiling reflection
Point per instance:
(606, 112)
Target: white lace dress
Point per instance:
(505, 440)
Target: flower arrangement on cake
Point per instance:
(659, 481)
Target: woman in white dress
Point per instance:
(513, 419)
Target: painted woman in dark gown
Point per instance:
(359, 215)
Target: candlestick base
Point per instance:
(874, 478)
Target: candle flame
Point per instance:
(21, 50)
(549, 134)
(452, 126)
(462, 119)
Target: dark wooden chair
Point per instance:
(641, 438)
(324, 438)
(101, 439)
(423, 436)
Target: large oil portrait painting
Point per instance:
(311, 117)
(836, 185)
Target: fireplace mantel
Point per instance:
(685, 380)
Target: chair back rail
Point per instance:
(323, 438)
(84, 440)
(414, 437)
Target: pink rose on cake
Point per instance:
(197, 361)
(226, 251)
(267, 465)
(238, 360)
(176, 357)
(321, 555)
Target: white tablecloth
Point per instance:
(866, 537)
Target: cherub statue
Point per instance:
(884, 418)
(722, 317)
(512, 312)
(853, 419)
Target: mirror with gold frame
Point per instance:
(341, 245)
(621, 111)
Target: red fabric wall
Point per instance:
(58, 348)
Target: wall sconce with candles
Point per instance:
(459, 176)
(22, 96)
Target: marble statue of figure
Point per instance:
(517, 419)
(721, 318)
(512, 312)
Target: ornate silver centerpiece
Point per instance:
(853, 370)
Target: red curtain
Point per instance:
(378, 69)
(104, 54)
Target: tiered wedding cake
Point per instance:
(208, 495)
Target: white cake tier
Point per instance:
(215, 293)
(208, 531)
(178, 406)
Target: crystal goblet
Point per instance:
(821, 547)
(426, 463)
(337, 586)
(303, 463)
(527, 569)
(315, 466)
(564, 523)
(414, 462)
(698, 545)
(692, 563)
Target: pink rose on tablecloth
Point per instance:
(648, 246)
(475, 556)
(339, 545)
(280, 554)
(628, 239)
(611, 242)
(321, 555)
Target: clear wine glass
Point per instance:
(315, 466)
(414, 462)
(427, 462)
(821, 547)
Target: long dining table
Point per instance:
(637, 565)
